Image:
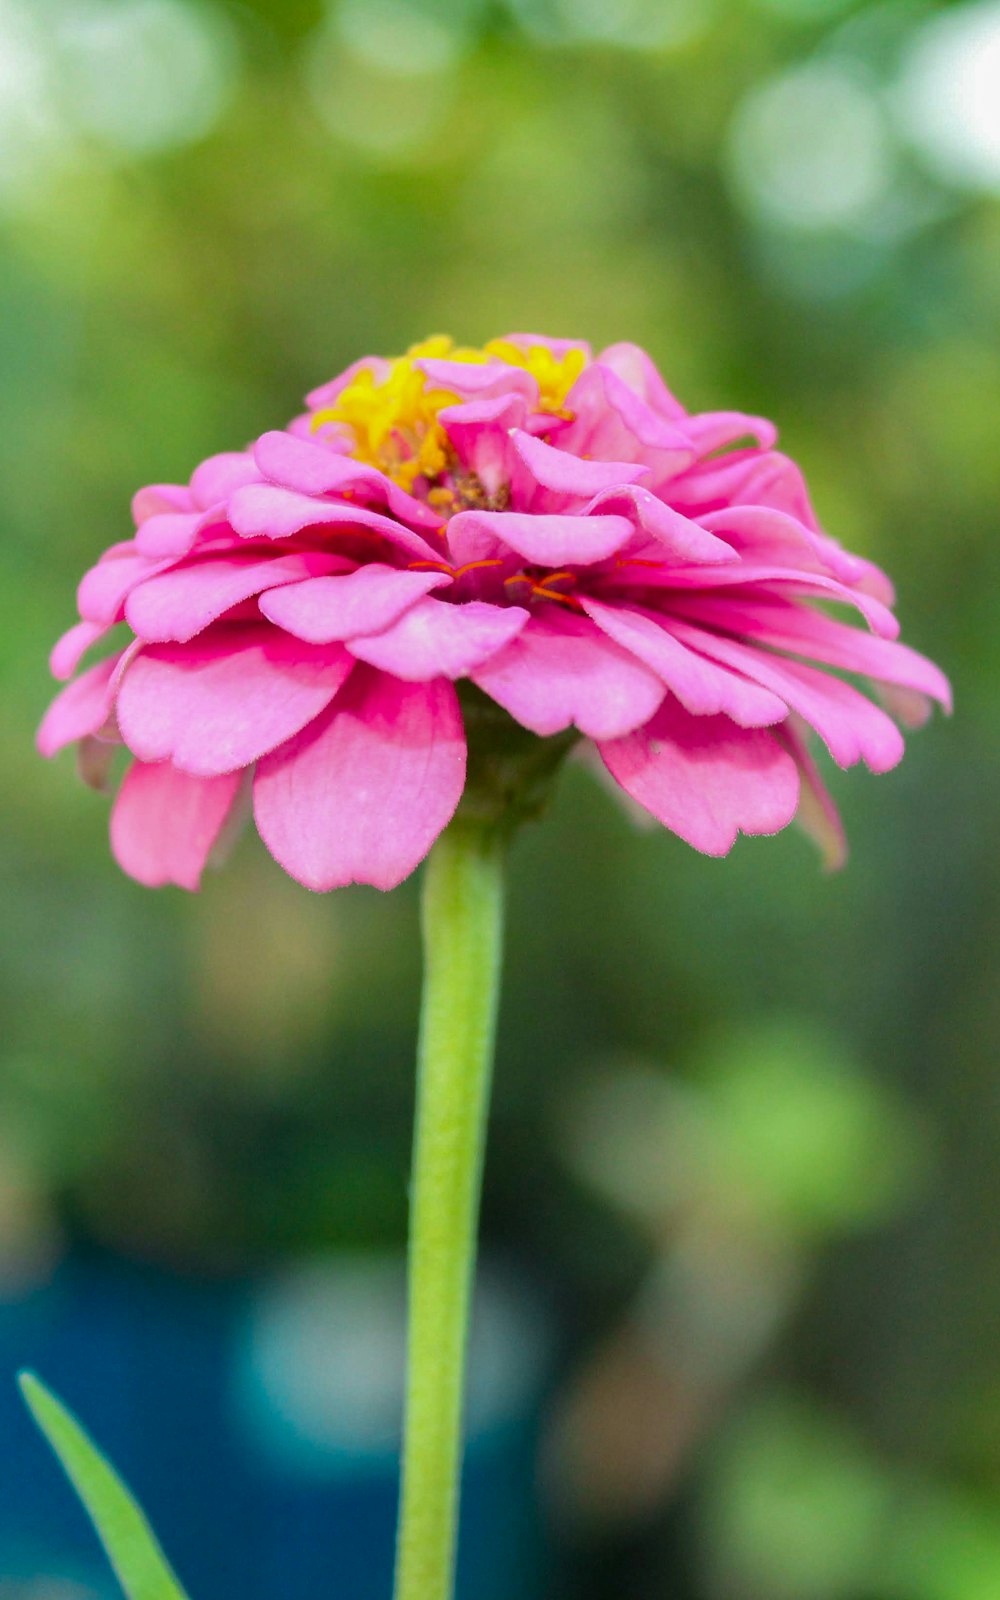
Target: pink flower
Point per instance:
(553, 527)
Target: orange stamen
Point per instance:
(470, 566)
(540, 592)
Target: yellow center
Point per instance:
(394, 419)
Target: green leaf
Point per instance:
(140, 1564)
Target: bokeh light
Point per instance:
(401, 36)
(809, 149)
(629, 24)
(948, 95)
(143, 75)
(34, 140)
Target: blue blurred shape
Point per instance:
(257, 1423)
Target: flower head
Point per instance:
(549, 527)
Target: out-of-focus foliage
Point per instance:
(207, 208)
(130, 1543)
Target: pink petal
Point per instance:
(811, 633)
(634, 367)
(772, 583)
(333, 436)
(851, 727)
(613, 423)
(745, 477)
(175, 533)
(157, 497)
(216, 478)
(265, 511)
(364, 601)
(82, 708)
(70, 649)
(681, 539)
(716, 430)
(763, 534)
(562, 671)
(875, 582)
(434, 638)
(909, 707)
(311, 469)
(704, 778)
(177, 604)
(227, 698)
(361, 794)
(165, 823)
(472, 542)
(549, 541)
(103, 590)
(480, 436)
(817, 814)
(477, 380)
(702, 687)
(568, 475)
(326, 394)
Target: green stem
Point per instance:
(462, 912)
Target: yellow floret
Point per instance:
(555, 375)
(394, 419)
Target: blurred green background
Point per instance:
(747, 1118)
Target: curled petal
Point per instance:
(766, 536)
(176, 605)
(175, 533)
(436, 639)
(480, 436)
(216, 478)
(475, 380)
(872, 580)
(69, 651)
(703, 687)
(550, 541)
(810, 633)
(362, 793)
(157, 497)
(679, 538)
(567, 475)
(768, 582)
(817, 815)
(364, 601)
(103, 590)
(472, 543)
(715, 430)
(225, 699)
(312, 469)
(82, 708)
(704, 778)
(745, 477)
(561, 671)
(165, 823)
(614, 423)
(909, 707)
(631, 363)
(851, 727)
(266, 511)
